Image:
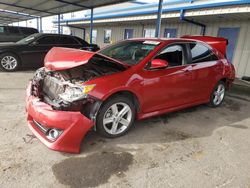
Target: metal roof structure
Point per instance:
(199, 7)
(27, 9)
(192, 12)
(21, 10)
(7, 17)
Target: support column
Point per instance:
(84, 33)
(158, 22)
(59, 24)
(41, 24)
(91, 25)
(37, 23)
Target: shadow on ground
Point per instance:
(113, 156)
(195, 122)
(105, 157)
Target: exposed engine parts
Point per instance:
(65, 90)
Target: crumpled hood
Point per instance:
(65, 58)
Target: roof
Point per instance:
(7, 17)
(13, 10)
(169, 8)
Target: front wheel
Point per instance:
(218, 94)
(115, 117)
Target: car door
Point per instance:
(169, 87)
(206, 69)
(35, 52)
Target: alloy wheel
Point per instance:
(219, 94)
(117, 118)
(9, 62)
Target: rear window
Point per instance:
(83, 42)
(28, 31)
(68, 40)
(49, 40)
(201, 53)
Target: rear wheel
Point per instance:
(115, 117)
(218, 94)
(9, 62)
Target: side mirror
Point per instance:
(158, 64)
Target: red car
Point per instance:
(133, 79)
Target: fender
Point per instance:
(122, 89)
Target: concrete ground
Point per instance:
(196, 147)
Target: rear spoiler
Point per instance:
(218, 43)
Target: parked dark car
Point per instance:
(30, 51)
(14, 34)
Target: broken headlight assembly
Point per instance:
(75, 93)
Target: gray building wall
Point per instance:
(241, 58)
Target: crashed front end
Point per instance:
(60, 112)
(59, 104)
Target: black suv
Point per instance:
(30, 51)
(13, 34)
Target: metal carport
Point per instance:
(21, 10)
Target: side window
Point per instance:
(48, 40)
(13, 30)
(68, 40)
(201, 53)
(84, 42)
(3, 30)
(81, 41)
(173, 55)
(28, 31)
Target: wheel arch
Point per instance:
(226, 81)
(126, 93)
(12, 52)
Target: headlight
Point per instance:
(76, 93)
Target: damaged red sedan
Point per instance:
(133, 79)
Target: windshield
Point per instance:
(130, 52)
(27, 40)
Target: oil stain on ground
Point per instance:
(92, 170)
(232, 105)
(239, 126)
(176, 135)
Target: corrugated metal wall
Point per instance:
(241, 58)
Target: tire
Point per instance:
(9, 62)
(218, 94)
(115, 117)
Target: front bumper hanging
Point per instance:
(72, 126)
